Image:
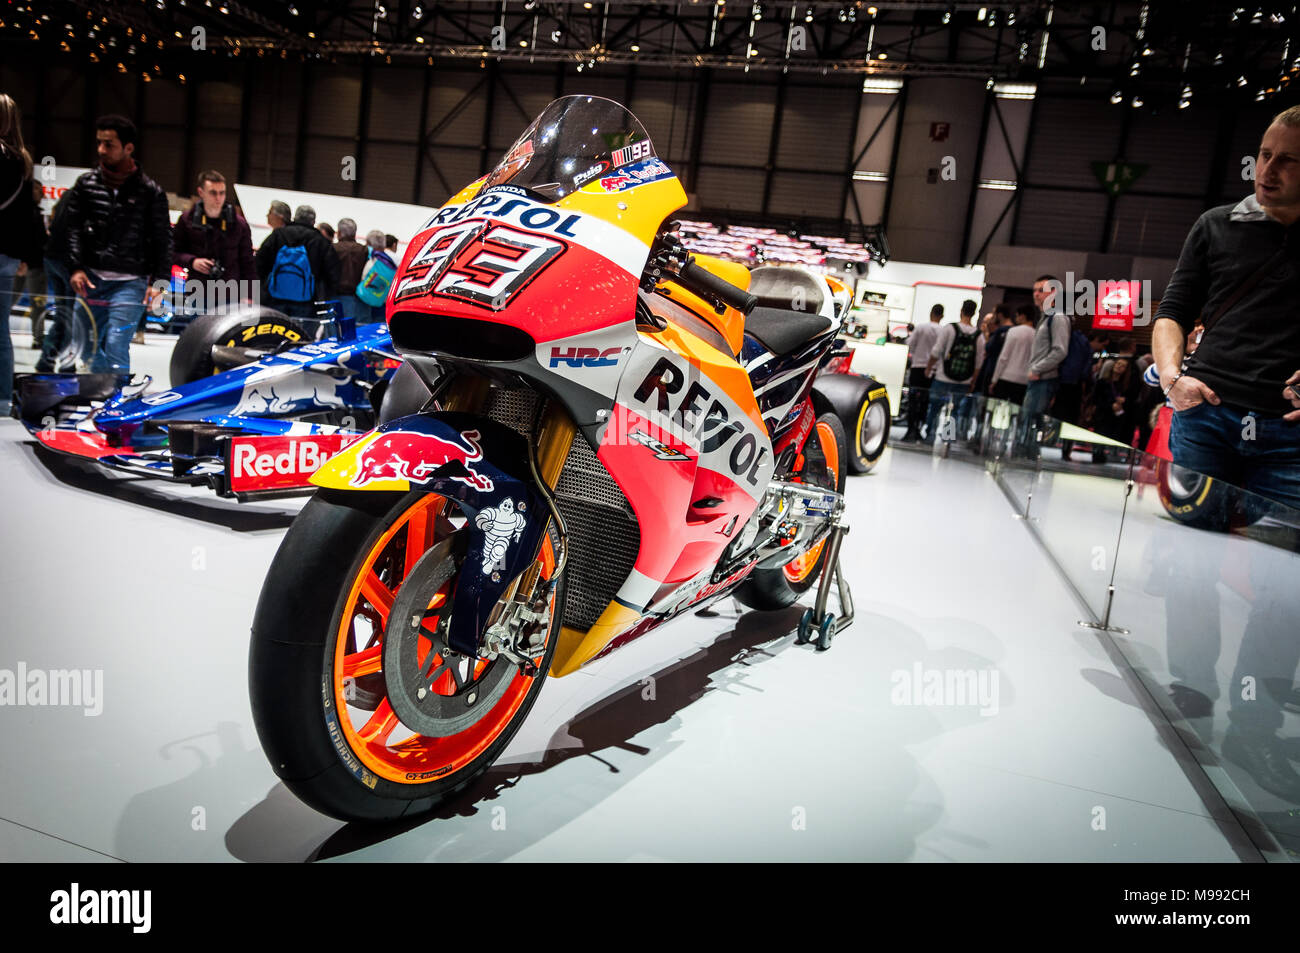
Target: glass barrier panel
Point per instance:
(1208, 585)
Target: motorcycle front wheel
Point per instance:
(321, 642)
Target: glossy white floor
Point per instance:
(752, 748)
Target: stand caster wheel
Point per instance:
(826, 632)
(803, 634)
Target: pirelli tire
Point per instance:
(1203, 502)
(305, 599)
(862, 404)
(768, 589)
(259, 328)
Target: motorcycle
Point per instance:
(610, 433)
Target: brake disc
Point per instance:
(409, 681)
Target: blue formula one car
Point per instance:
(258, 429)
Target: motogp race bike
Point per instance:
(613, 434)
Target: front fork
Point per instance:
(524, 603)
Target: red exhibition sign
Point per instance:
(1117, 303)
(258, 463)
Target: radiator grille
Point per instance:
(516, 408)
(603, 534)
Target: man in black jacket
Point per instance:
(298, 266)
(119, 241)
(214, 243)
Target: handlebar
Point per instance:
(704, 282)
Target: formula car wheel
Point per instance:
(259, 329)
(325, 659)
(824, 454)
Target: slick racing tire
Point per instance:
(776, 588)
(867, 434)
(263, 329)
(320, 644)
(1197, 500)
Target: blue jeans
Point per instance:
(8, 279)
(121, 303)
(1258, 454)
(1038, 398)
(57, 325)
(940, 392)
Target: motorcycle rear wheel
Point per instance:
(318, 691)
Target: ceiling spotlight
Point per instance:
(1183, 104)
(807, 18)
(1146, 51)
(1116, 97)
(1011, 19)
(1218, 59)
(418, 12)
(636, 48)
(984, 11)
(1136, 102)
(293, 11)
(381, 11)
(988, 84)
(1257, 18)
(871, 11)
(1241, 81)
(1259, 97)
(947, 17)
(882, 55)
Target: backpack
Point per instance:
(291, 278)
(376, 278)
(959, 362)
(1077, 359)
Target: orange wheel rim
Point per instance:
(797, 570)
(377, 737)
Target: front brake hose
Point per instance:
(563, 559)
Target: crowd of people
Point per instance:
(109, 240)
(1037, 359)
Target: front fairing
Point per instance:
(552, 242)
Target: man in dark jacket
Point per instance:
(119, 241)
(215, 244)
(298, 266)
(352, 261)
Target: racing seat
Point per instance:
(773, 322)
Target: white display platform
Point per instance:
(752, 748)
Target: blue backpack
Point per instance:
(1077, 360)
(291, 278)
(376, 279)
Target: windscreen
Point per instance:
(575, 139)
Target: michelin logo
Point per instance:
(499, 525)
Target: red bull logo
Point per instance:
(415, 457)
